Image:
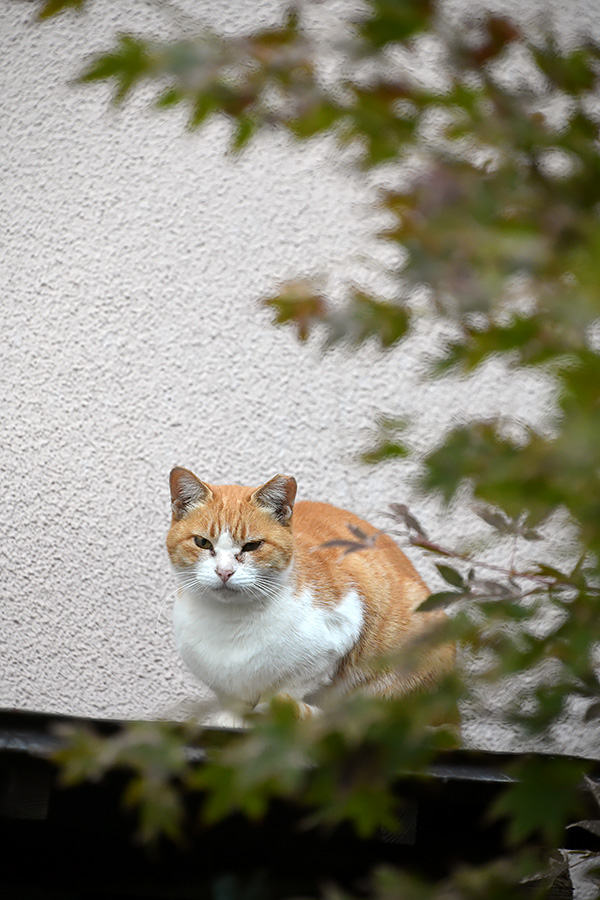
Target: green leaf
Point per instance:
(527, 340)
(440, 600)
(547, 793)
(385, 449)
(450, 575)
(573, 73)
(371, 119)
(561, 578)
(53, 7)
(159, 806)
(388, 446)
(203, 106)
(396, 21)
(316, 118)
(169, 98)
(127, 65)
(364, 317)
(503, 474)
(245, 130)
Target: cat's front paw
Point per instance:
(224, 719)
(301, 709)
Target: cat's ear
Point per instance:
(186, 491)
(277, 497)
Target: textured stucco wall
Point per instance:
(133, 254)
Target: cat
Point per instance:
(264, 608)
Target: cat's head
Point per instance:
(231, 540)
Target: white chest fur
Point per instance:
(247, 650)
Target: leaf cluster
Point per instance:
(339, 767)
(538, 619)
(153, 754)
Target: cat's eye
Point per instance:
(202, 542)
(251, 545)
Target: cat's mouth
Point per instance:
(226, 589)
(230, 595)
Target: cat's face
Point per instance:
(230, 541)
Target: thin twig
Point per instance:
(546, 580)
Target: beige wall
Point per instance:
(133, 256)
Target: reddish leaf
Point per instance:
(299, 304)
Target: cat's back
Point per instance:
(389, 587)
(376, 566)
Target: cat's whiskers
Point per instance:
(256, 586)
(252, 591)
(269, 584)
(185, 581)
(261, 587)
(169, 596)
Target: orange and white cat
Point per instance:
(264, 608)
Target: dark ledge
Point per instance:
(79, 842)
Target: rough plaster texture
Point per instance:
(133, 255)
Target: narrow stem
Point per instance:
(546, 580)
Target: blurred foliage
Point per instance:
(52, 7)
(499, 230)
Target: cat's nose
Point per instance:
(224, 573)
